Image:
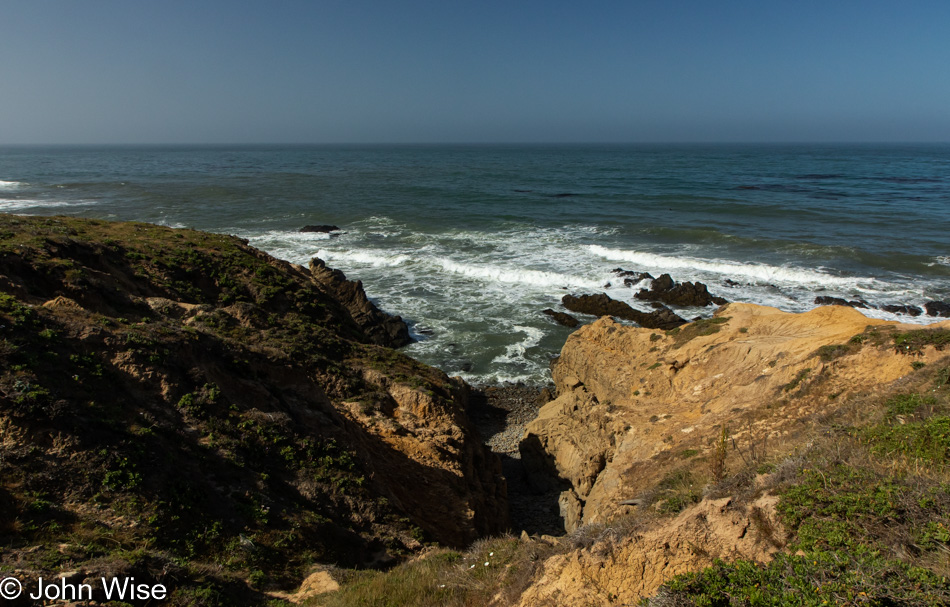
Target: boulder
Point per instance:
(937, 308)
(562, 318)
(683, 294)
(902, 309)
(326, 229)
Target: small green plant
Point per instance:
(913, 342)
(832, 352)
(797, 380)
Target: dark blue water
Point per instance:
(470, 243)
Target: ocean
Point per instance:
(470, 243)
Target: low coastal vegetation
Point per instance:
(867, 507)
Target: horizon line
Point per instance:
(467, 143)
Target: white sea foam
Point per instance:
(379, 260)
(517, 275)
(481, 292)
(10, 185)
(294, 237)
(515, 352)
(755, 271)
(943, 260)
(13, 204)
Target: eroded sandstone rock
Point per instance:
(631, 399)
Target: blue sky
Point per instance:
(458, 71)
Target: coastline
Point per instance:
(469, 244)
(271, 389)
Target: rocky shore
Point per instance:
(180, 407)
(502, 414)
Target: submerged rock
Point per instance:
(326, 229)
(562, 318)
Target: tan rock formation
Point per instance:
(620, 570)
(631, 400)
(318, 582)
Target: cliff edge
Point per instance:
(181, 407)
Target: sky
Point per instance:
(459, 71)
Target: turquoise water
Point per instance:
(471, 243)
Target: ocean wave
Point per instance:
(943, 260)
(515, 352)
(10, 185)
(517, 275)
(295, 237)
(760, 272)
(364, 257)
(12, 204)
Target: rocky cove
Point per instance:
(181, 407)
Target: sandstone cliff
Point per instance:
(179, 406)
(632, 401)
(642, 417)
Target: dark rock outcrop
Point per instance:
(381, 328)
(326, 229)
(902, 309)
(937, 308)
(562, 318)
(825, 300)
(602, 305)
(683, 294)
(630, 277)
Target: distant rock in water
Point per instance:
(381, 328)
(326, 229)
(602, 305)
(683, 294)
(824, 300)
(562, 318)
(630, 277)
(902, 309)
(937, 308)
